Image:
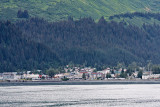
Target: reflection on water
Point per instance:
(81, 95)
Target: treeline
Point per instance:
(16, 52)
(137, 14)
(103, 43)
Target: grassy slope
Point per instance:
(54, 10)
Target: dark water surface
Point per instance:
(146, 95)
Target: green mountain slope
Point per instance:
(54, 10)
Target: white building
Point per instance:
(59, 76)
(145, 77)
(152, 76)
(106, 71)
(9, 75)
(31, 76)
(112, 75)
(28, 72)
(135, 74)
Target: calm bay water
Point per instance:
(81, 95)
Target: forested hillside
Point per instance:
(16, 52)
(38, 44)
(84, 41)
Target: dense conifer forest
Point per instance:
(16, 52)
(38, 44)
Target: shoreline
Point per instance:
(126, 82)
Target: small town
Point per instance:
(79, 74)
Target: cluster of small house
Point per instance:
(14, 76)
(77, 73)
(86, 73)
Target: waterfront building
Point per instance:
(31, 76)
(95, 76)
(9, 75)
(152, 76)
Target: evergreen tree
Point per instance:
(51, 72)
(108, 75)
(25, 14)
(84, 76)
(21, 14)
(140, 73)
